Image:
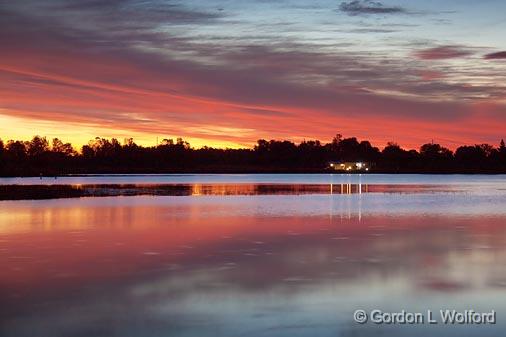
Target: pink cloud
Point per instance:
(442, 53)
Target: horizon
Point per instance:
(159, 140)
(225, 74)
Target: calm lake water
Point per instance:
(291, 264)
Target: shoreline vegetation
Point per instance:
(39, 192)
(40, 157)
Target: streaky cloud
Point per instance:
(364, 7)
(501, 55)
(442, 53)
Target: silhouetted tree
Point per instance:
(435, 157)
(435, 151)
(335, 142)
(394, 158)
(103, 155)
(470, 157)
(2, 155)
(501, 153)
(16, 151)
(311, 154)
(367, 152)
(87, 152)
(167, 142)
(61, 148)
(37, 146)
(349, 149)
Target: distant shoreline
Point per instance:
(104, 156)
(67, 191)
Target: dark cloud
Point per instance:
(363, 7)
(442, 53)
(115, 15)
(372, 30)
(141, 12)
(501, 55)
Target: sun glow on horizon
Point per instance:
(307, 72)
(12, 128)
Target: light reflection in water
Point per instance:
(28, 192)
(280, 265)
(273, 189)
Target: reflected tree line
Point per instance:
(41, 156)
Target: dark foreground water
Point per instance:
(246, 264)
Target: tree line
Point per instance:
(39, 156)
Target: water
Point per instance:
(262, 178)
(254, 265)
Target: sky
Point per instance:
(226, 73)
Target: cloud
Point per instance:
(150, 75)
(146, 12)
(431, 75)
(121, 17)
(364, 7)
(372, 30)
(442, 53)
(501, 55)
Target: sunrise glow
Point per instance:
(227, 74)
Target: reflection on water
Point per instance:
(280, 265)
(36, 192)
(259, 189)
(267, 189)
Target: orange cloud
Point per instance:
(75, 87)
